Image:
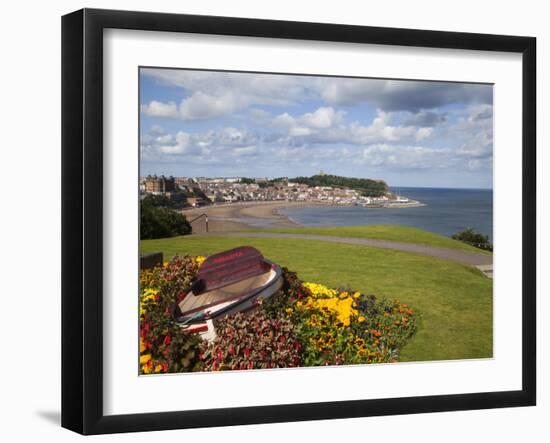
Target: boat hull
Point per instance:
(201, 319)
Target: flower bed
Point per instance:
(307, 324)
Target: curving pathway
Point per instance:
(482, 261)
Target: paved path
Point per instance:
(483, 261)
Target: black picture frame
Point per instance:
(82, 218)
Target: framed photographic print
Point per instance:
(269, 221)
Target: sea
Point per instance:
(446, 212)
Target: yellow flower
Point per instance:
(288, 310)
(342, 308)
(141, 345)
(149, 294)
(200, 259)
(147, 369)
(356, 294)
(144, 359)
(361, 319)
(318, 290)
(158, 368)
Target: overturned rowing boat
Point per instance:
(232, 281)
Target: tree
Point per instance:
(366, 186)
(159, 222)
(157, 200)
(474, 238)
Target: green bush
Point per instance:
(474, 238)
(164, 346)
(366, 186)
(160, 222)
(251, 341)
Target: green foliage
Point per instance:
(291, 291)
(251, 341)
(161, 222)
(474, 238)
(164, 346)
(157, 201)
(338, 328)
(176, 200)
(366, 186)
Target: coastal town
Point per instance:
(202, 191)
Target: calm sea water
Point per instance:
(447, 211)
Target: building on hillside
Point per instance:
(159, 185)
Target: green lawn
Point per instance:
(455, 301)
(385, 232)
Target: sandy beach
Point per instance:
(243, 216)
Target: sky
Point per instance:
(231, 124)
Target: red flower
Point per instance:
(166, 340)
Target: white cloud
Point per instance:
(380, 130)
(405, 157)
(326, 125)
(480, 112)
(203, 106)
(423, 133)
(299, 131)
(324, 117)
(157, 129)
(474, 132)
(233, 137)
(244, 151)
(284, 120)
(207, 146)
(182, 145)
(159, 109)
(213, 94)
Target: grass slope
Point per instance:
(395, 233)
(455, 301)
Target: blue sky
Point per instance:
(409, 133)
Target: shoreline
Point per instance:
(244, 216)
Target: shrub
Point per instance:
(292, 290)
(160, 222)
(341, 327)
(474, 238)
(251, 341)
(164, 346)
